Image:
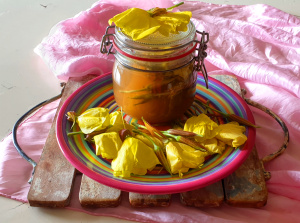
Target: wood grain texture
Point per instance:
(210, 196)
(96, 195)
(54, 175)
(149, 200)
(246, 187)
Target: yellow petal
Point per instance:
(232, 134)
(214, 146)
(173, 22)
(134, 157)
(201, 125)
(116, 118)
(108, 145)
(136, 23)
(117, 123)
(181, 157)
(93, 119)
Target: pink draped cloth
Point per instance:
(259, 44)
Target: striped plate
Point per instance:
(99, 92)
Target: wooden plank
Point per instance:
(95, 195)
(149, 200)
(210, 196)
(246, 187)
(54, 175)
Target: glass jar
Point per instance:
(155, 77)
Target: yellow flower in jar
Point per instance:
(93, 119)
(138, 23)
(201, 125)
(182, 157)
(232, 134)
(108, 144)
(134, 157)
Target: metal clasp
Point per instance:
(199, 58)
(107, 43)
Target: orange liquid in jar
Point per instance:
(158, 97)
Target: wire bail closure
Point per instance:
(107, 48)
(107, 43)
(199, 59)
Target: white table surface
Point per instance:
(26, 81)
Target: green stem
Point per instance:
(174, 6)
(74, 133)
(177, 138)
(142, 127)
(156, 147)
(136, 125)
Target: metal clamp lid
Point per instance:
(199, 59)
(107, 43)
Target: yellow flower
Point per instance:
(214, 146)
(138, 23)
(117, 123)
(232, 134)
(108, 145)
(93, 119)
(116, 118)
(135, 23)
(201, 125)
(134, 157)
(182, 157)
(173, 22)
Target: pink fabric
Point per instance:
(14, 170)
(259, 44)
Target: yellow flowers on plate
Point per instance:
(183, 157)
(108, 144)
(231, 133)
(134, 157)
(116, 122)
(202, 125)
(94, 119)
(137, 149)
(138, 23)
(214, 146)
